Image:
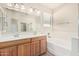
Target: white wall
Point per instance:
(64, 32)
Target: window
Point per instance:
(23, 27)
(47, 21)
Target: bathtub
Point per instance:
(59, 47)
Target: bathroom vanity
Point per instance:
(32, 46)
(12, 22)
(15, 37)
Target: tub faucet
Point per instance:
(49, 35)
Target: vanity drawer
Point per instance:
(14, 42)
(38, 38)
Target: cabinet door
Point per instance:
(24, 50)
(37, 51)
(35, 48)
(43, 45)
(9, 51)
(32, 49)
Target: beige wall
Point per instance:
(63, 31)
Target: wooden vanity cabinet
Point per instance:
(38, 46)
(9, 51)
(35, 48)
(32, 50)
(43, 45)
(24, 47)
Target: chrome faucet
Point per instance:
(16, 35)
(49, 35)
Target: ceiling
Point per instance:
(52, 5)
(48, 7)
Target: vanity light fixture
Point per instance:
(38, 12)
(22, 7)
(16, 5)
(31, 10)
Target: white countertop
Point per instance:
(12, 37)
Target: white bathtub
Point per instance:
(59, 47)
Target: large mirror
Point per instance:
(12, 21)
(1, 15)
(3, 21)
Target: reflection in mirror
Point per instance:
(1, 21)
(23, 27)
(14, 26)
(30, 27)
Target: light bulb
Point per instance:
(38, 12)
(22, 7)
(16, 6)
(30, 10)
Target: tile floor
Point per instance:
(48, 54)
